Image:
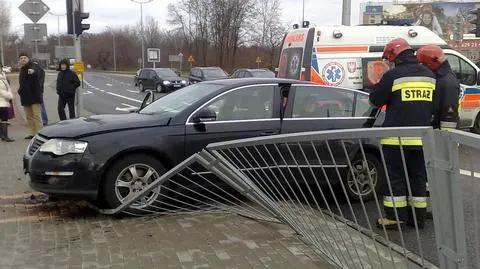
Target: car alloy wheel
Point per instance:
(159, 88)
(132, 180)
(361, 185)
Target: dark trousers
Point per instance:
(417, 175)
(66, 99)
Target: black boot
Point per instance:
(4, 132)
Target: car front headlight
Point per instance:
(62, 147)
(166, 82)
(184, 82)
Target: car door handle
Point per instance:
(269, 133)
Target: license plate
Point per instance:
(176, 85)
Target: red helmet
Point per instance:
(394, 48)
(431, 55)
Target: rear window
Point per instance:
(263, 74)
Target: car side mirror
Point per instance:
(145, 101)
(205, 115)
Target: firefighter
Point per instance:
(447, 91)
(407, 91)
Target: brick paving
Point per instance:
(38, 233)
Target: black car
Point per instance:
(199, 74)
(160, 80)
(87, 158)
(255, 73)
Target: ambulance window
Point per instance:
(465, 73)
(322, 102)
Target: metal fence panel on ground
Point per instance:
(325, 186)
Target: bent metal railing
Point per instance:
(323, 185)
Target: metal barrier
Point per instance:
(324, 186)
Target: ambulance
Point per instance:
(350, 57)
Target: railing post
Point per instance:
(441, 159)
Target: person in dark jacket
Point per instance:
(30, 92)
(407, 91)
(447, 92)
(67, 84)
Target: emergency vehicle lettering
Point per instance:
(417, 94)
(295, 38)
(331, 49)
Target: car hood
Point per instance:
(87, 126)
(172, 78)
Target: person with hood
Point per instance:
(31, 91)
(5, 97)
(67, 84)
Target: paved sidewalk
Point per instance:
(38, 233)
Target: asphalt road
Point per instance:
(113, 93)
(105, 93)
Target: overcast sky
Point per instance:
(125, 12)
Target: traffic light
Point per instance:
(476, 22)
(78, 17)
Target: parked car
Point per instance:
(91, 158)
(7, 69)
(160, 80)
(257, 73)
(199, 74)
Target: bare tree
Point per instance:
(5, 21)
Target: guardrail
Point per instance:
(324, 186)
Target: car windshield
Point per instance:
(263, 74)
(214, 73)
(177, 101)
(166, 73)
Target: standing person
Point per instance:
(447, 90)
(42, 82)
(30, 92)
(67, 84)
(5, 97)
(407, 90)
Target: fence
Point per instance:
(324, 186)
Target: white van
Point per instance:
(350, 57)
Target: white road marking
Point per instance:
(131, 91)
(108, 84)
(87, 92)
(469, 173)
(124, 97)
(127, 108)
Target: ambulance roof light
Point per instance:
(305, 24)
(412, 33)
(295, 26)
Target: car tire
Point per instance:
(121, 171)
(476, 125)
(159, 88)
(365, 191)
(141, 88)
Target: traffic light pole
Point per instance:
(78, 6)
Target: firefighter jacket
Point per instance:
(446, 98)
(407, 90)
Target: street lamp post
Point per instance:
(58, 25)
(114, 49)
(141, 2)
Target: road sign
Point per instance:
(190, 59)
(34, 9)
(174, 58)
(79, 67)
(64, 52)
(35, 33)
(153, 55)
(258, 60)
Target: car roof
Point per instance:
(208, 67)
(238, 82)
